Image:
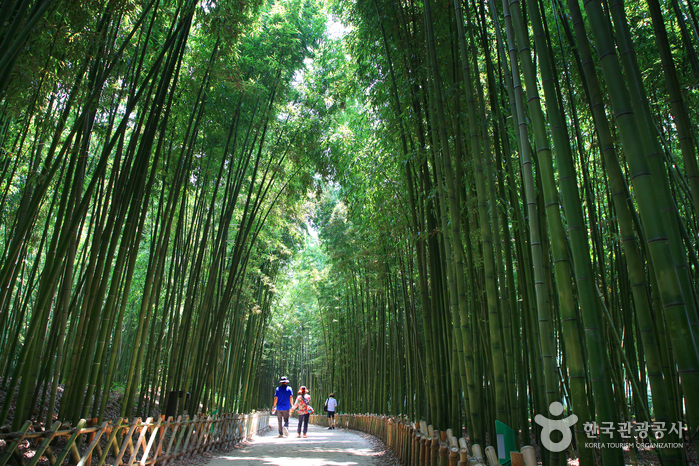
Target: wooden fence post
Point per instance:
(418, 453)
(529, 455)
(453, 451)
(463, 452)
(45, 444)
(149, 446)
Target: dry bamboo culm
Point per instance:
(128, 443)
(419, 444)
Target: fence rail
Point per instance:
(138, 442)
(420, 445)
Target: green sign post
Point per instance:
(506, 442)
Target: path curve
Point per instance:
(337, 447)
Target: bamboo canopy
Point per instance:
(462, 213)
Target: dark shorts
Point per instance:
(331, 414)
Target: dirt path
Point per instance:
(339, 447)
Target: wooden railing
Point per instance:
(127, 443)
(419, 444)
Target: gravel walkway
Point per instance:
(338, 447)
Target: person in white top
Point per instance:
(330, 406)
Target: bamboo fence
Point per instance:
(419, 444)
(127, 443)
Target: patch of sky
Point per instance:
(207, 5)
(335, 29)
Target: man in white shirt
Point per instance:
(330, 407)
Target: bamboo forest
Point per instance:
(473, 213)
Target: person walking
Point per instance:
(283, 397)
(330, 407)
(303, 403)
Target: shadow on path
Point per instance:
(322, 447)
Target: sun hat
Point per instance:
(303, 388)
(284, 380)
